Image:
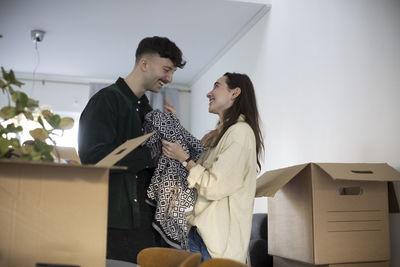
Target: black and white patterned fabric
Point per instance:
(168, 190)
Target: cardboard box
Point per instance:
(326, 213)
(56, 213)
(282, 262)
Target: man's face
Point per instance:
(158, 72)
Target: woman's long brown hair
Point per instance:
(244, 104)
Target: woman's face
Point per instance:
(221, 97)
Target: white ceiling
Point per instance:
(98, 38)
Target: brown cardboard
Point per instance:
(327, 213)
(55, 213)
(123, 150)
(282, 262)
(67, 153)
(393, 202)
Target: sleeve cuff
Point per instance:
(195, 174)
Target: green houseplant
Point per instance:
(20, 107)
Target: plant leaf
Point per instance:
(55, 121)
(14, 142)
(11, 128)
(27, 147)
(11, 76)
(8, 112)
(47, 114)
(13, 80)
(43, 147)
(41, 121)
(4, 146)
(39, 134)
(32, 103)
(47, 157)
(20, 99)
(28, 115)
(5, 74)
(66, 123)
(10, 89)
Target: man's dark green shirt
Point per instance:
(112, 116)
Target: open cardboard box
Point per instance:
(56, 213)
(282, 262)
(327, 213)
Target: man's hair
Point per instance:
(163, 47)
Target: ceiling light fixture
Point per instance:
(37, 36)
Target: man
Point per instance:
(112, 116)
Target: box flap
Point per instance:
(67, 153)
(360, 171)
(123, 150)
(271, 181)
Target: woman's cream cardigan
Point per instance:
(225, 179)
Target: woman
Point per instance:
(225, 174)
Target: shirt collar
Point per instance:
(128, 92)
(241, 118)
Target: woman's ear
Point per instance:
(236, 92)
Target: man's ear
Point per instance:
(236, 92)
(143, 64)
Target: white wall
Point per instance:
(327, 78)
(184, 108)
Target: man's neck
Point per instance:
(134, 82)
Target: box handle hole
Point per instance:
(350, 191)
(362, 171)
(119, 152)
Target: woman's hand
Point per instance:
(168, 107)
(174, 151)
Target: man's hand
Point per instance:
(168, 107)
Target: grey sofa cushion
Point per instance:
(259, 228)
(258, 247)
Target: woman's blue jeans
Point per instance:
(196, 244)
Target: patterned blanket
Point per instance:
(168, 190)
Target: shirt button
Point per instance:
(142, 130)
(137, 109)
(136, 176)
(138, 102)
(134, 200)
